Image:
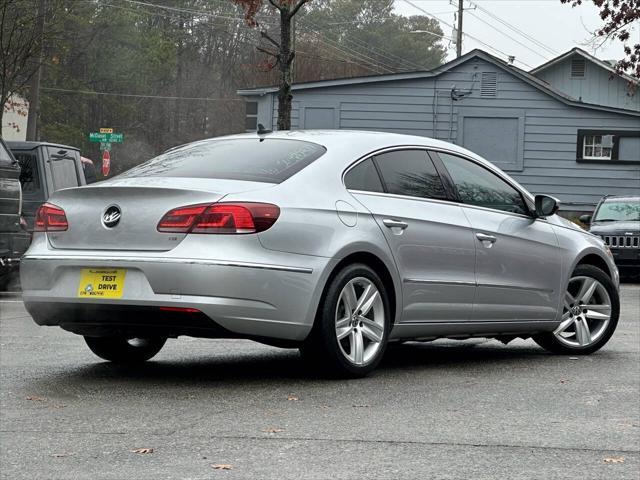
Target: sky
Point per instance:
(558, 26)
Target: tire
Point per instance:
(568, 341)
(123, 350)
(364, 337)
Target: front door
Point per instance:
(430, 237)
(517, 257)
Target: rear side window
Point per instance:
(271, 160)
(411, 173)
(63, 173)
(29, 176)
(5, 158)
(364, 177)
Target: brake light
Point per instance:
(221, 218)
(50, 218)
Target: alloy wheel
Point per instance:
(586, 313)
(360, 321)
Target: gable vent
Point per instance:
(488, 84)
(578, 66)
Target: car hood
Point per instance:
(609, 228)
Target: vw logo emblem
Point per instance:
(111, 216)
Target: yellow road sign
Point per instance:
(106, 130)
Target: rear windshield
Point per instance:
(271, 160)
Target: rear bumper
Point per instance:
(236, 298)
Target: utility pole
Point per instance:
(459, 36)
(34, 83)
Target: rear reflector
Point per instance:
(50, 218)
(221, 218)
(180, 309)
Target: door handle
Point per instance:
(394, 223)
(483, 237)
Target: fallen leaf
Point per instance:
(563, 380)
(614, 460)
(292, 398)
(273, 430)
(221, 466)
(35, 398)
(57, 406)
(142, 450)
(324, 407)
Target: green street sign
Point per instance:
(106, 137)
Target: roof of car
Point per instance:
(621, 197)
(31, 145)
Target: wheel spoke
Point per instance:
(586, 290)
(343, 332)
(344, 322)
(371, 330)
(566, 323)
(594, 314)
(583, 335)
(369, 296)
(349, 298)
(568, 300)
(357, 347)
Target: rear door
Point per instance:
(429, 236)
(518, 260)
(32, 182)
(9, 199)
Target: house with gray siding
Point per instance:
(547, 139)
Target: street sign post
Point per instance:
(106, 136)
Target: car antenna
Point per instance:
(263, 131)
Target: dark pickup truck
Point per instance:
(14, 239)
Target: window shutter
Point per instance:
(488, 84)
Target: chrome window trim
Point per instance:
(184, 261)
(491, 168)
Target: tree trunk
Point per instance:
(34, 83)
(285, 59)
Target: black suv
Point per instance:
(616, 220)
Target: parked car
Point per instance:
(46, 167)
(334, 242)
(616, 220)
(14, 240)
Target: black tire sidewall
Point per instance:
(549, 341)
(323, 343)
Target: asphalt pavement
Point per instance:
(229, 409)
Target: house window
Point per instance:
(251, 116)
(597, 147)
(618, 146)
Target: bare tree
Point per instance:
(20, 48)
(281, 51)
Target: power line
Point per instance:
(134, 95)
(509, 36)
(410, 2)
(517, 30)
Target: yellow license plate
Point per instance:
(101, 283)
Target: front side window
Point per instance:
(478, 186)
(5, 157)
(410, 173)
(251, 117)
(597, 147)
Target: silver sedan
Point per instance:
(333, 242)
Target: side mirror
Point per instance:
(586, 219)
(546, 205)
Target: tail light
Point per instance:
(50, 218)
(220, 218)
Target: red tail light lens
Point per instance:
(50, 218)
(221, 218)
